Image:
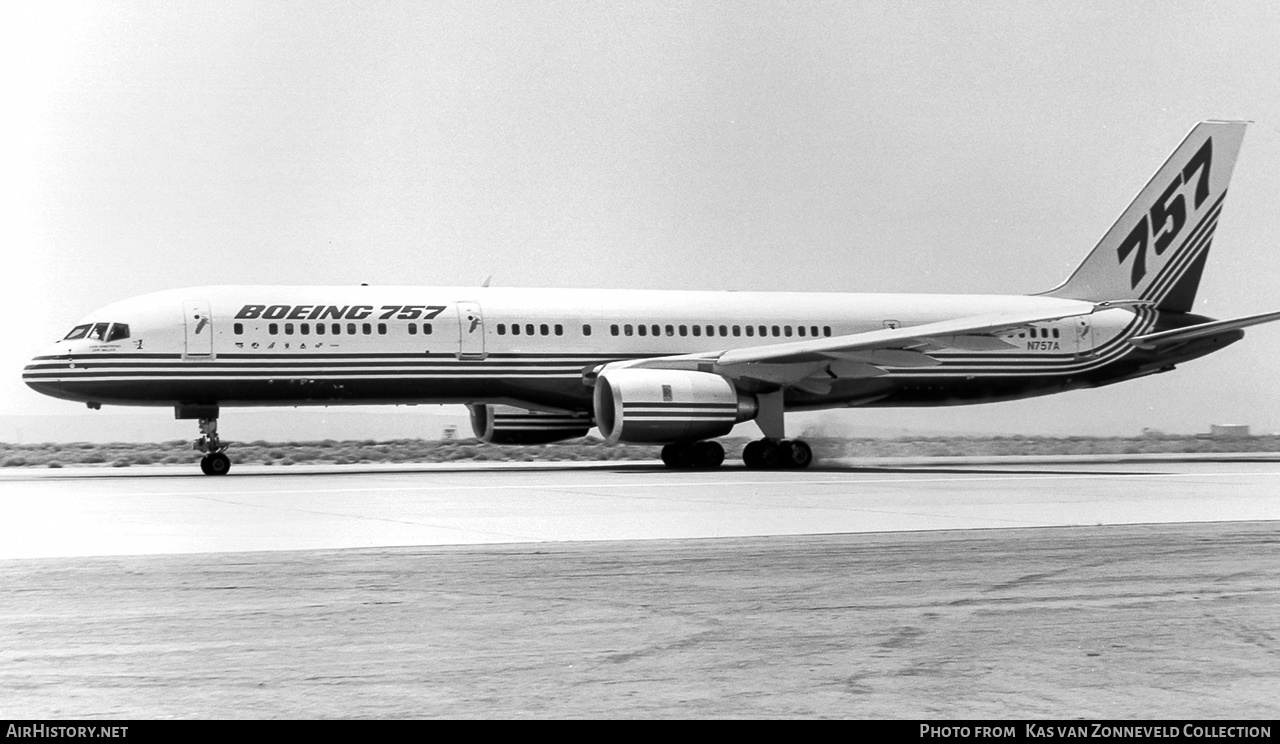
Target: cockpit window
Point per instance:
(117, 332)
(99, 332)
(77, 332)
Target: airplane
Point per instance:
(677, 368)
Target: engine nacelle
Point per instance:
(650, 406)
(511, 425)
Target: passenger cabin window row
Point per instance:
(332, 329)
(541, 329)
(750, 331)
(1038, 333)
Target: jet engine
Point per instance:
(666, 405)
(510, 425)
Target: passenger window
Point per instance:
(559, 329)
(426, 329)
(382, 329)
(641, 330)
(656, 330)
(613, 329)
(697, 330)
(367, 328)
(528, 329)
(515, 329)
(337, 329)
(737, 330)
(288, 329)
(776, 331)
(671, 330)
(626, 329)
(502, 328)
(786, 331)
(800, 330)
(724, 330)
(586, 330)
(238, 328)
(684, 331)
(306, 329)
(273, 329)
(711, 330)
(544, 329)
(813, 331)
(319, 329)
(826, 330)
(764, 330)
(751, 331)
(351, 329)
(76, 333)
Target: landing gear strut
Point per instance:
(215, 460)
(693, 455)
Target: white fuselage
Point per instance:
(278, 345)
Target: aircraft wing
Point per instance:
(1178, 335)
(815, 362)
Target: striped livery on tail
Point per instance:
(1157, 250)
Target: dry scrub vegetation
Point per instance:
(51, 455)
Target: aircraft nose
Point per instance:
(44, 373)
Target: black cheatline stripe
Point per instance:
(100, 377)
(1186, 248)
(199, 368)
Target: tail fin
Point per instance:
(1157, 250)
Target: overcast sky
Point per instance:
(849, 147)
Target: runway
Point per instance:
(104, 511)
(969, 590)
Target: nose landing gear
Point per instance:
(215, 460)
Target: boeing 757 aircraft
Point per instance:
(673, 368)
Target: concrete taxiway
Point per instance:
(994, 589)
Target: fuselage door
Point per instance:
(198, 322)
(1084, 336)
(470, 331)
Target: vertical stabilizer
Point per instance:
(1157, 249)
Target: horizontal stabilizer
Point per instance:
(1178, 335)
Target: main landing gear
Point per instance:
(762, 454)
(215, 460)
(693, 455)
(770, 454)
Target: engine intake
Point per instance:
(647, 406)
(510, 425)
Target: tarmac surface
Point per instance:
(974, 589)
